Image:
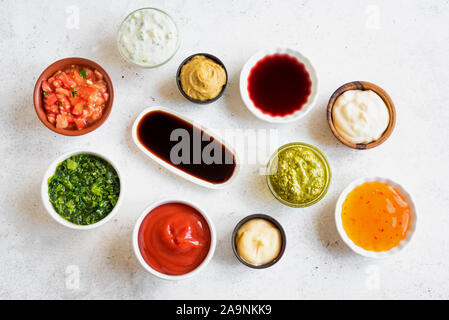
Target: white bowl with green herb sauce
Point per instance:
(82, 189)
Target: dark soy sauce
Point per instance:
(279, 85)
(154, 131)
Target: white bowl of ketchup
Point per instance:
(174, 239)
(279, 85)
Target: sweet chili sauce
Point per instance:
(376, 217)
(279, 85)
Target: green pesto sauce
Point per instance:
(300, 176)
(84, 189)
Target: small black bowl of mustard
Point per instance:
(202, 78)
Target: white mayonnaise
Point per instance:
(360, 116)
(148, 37)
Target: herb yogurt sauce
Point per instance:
(299, 175)
(148, 37)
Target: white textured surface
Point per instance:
(405, 52)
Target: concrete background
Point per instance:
(402, 46)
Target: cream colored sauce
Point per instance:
(148, 37)
(360, 116)
(258, 242)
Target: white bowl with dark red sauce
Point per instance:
(279, 85)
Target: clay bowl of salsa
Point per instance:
(73, 96)
(174, 239)
(279, 85)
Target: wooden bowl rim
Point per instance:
(38, 99)
(363, 85)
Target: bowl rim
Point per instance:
(311, 69)
(362, 85)
(373, 254)
(174, 169)
(161, 275)
(326, 163)
(178, 80)
(50, 172)
(178, 40)
(269, 219)
(38, 99)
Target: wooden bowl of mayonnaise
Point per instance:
(361, 115)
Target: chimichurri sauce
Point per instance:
(84, 189)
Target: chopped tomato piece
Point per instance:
(98, 75)
(96, 113)
(75, 100)
(63, 91)
(61, 121)
(78, 108)
(57, 84)
(79, 122)
(95, 99)
(51, 108)
(51, 118)
(68, 83)
(46, 86)
(87, 111)
(89, 73)
(51, 99)
(78, 78)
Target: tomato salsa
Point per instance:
(74, 97)
(174, 238)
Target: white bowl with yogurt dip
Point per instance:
(302, 59)
(148, 38)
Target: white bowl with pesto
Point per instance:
(148, 38)
(46, 198)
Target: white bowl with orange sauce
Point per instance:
(368, 253)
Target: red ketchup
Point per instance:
(279, 85)
(174, 238)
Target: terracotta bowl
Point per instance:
(58, 65)
(362, 85)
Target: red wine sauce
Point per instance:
(279, 85)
